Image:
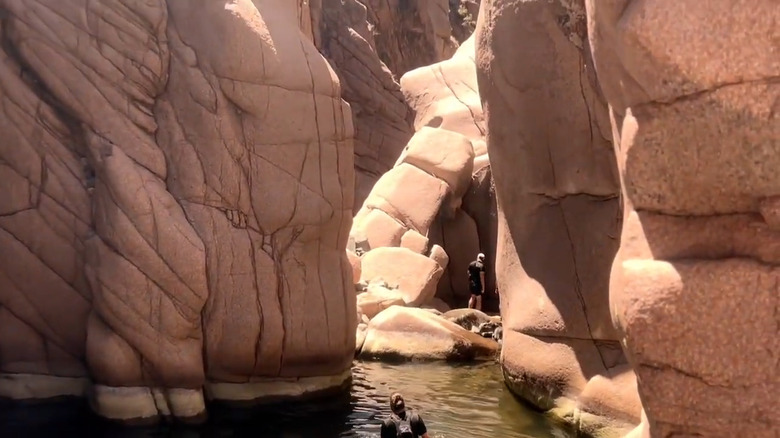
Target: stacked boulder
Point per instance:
(404, 333)
(445, 100)
(445, 95)
(390, 232)
(395, 243)
(398, 235)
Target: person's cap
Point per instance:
(480, 256)
(397, 404)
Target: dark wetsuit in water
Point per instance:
(475, 282)
(389, 426)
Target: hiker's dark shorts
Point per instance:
(475, 289)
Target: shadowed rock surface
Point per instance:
(694, 289)
(381, 117)
(558, 213)
(463, 17)
(411, 33)
(175, 210)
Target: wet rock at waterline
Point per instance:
(559, 218)
(175, 208)
(477, 322)
(489, 329)
(695, 286)
(403, 333)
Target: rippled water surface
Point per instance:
(455, 402)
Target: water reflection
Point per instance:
(455, 401)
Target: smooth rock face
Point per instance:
(414, 275)
(409, 195)
(445, 95)
(378, 229)
(444, 154)
(438, 305)
(381, 116)
(174, 205)
(558, 210)
(694, 287)
(415, 241)
(402, 333)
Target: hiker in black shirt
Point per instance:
(477, 282)
(402, 423)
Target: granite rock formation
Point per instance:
(692, 112)
(445, 95)
(381, 117)
(178, 191)
(557, 190)
(695, 99)
(418, 205)
(446, 102)
(403, 333)
(411, 33)
(463, 18)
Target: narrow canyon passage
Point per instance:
(515, 212)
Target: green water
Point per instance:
(455, 401)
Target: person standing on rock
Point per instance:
(402, 423)
(477, 281)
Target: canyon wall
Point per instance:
(411, 33)
(685, 95)
(558, 213)
(370, 45)
(178, 190)
(695, 106)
